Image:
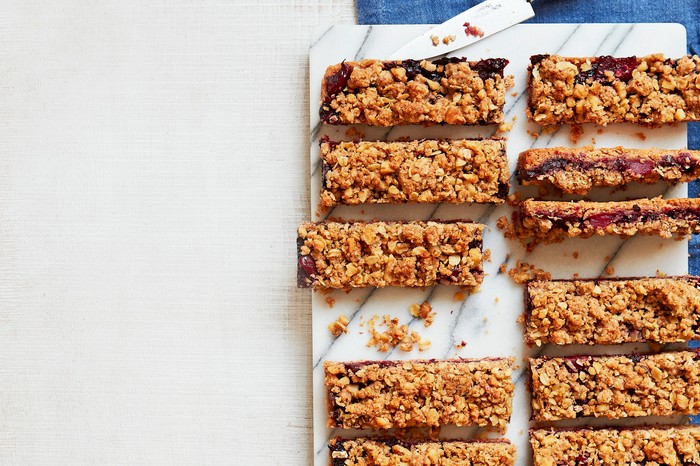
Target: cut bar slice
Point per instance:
(671, 445)
(615, 386)
(394, 452)
(647, 90)
(410, 254)
(399, 394)
(577, 170)
(375, 172)
(612, 311)
(552, 221)
(389, 93)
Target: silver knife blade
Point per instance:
(489, 17)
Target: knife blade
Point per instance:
(488, 17)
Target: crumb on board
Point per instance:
(661, 273)
(506, 226)
(524, 272)
(396, 335)
(447, 39)
(496, 300)
(533, 134)
(503, 268)
(354, 133)
(424, 311)
(435, 40)
(514, 93)
(575, 133)
(330, 300)
(514, 199)
(340, 325)
(593, 141)
(610, 270)
(487, 255)
(460, 345)
(471, 30)
(607, 259)
(600, 131)
(641, 136)
(520, 319)
(504, 128)
(576, 275)
(575, 254)
(459, 296)
(550, 129)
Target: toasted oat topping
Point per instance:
(410, 254)
(399, 394)
(553, 221)
(613, 311)
(615, 386)
(389, 93)
(647, 90)
(672, 446)
(394, 452)
(577, 171)
(421, 171)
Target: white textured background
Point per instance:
(153, 168)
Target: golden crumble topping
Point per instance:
(389, 93)
(613, 311)
(400, 394)
(647, 90)
(524, 272)
(671, 446)
(577, 171)
(553, 221)
(410, 254)
(393, 452)
(421, 171)
(615, 386)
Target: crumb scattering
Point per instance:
(460, 345)
(533, 134)
(575, 133)
(330, 300)
(424, 311)
(340, 325)
(661, 273)
(435, 40)
(524, 272)
(459, 296)
(354, 133)
(610, 270)
(575, 254)
(396, 335)
(641, 136)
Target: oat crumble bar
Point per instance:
(615, 386)
(553, 221)
(395, 452)
(646, 90)
(421, 171)
(400, 394)
(612, 311)
(452, 90)
(407, 254)
(669, 445)
(577, 170)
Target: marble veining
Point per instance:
(487, 320)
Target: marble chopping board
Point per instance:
(487, 320)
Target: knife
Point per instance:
(485, 19)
